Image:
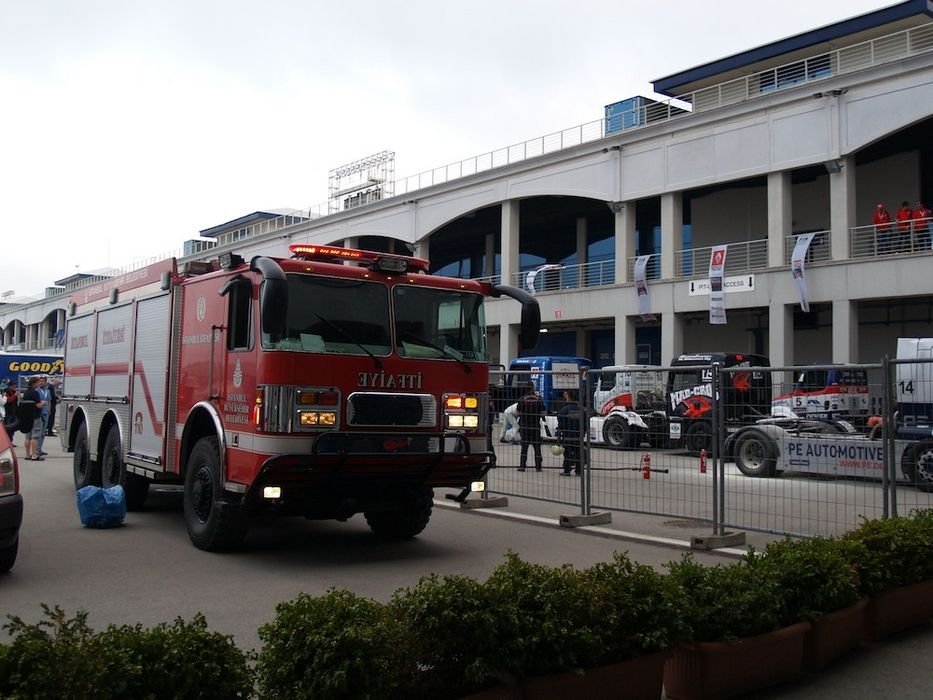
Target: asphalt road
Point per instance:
(148, 572)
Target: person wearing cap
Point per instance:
(882, 221)
(41, 426)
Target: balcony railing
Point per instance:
(741, 257)
(820, 249)
(893, 238)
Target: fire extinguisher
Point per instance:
(646, 466)
(702, 461)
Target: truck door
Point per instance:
(150, 373)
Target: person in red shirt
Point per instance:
(922, 225)
(882, 221)
(904, 216)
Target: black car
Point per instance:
(11, 504)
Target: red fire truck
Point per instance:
(336, 382)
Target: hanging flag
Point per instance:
(717, 301)
(530, 277)
(797, 260)
(641, 287)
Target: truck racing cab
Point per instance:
(335, 382)
(745, 395)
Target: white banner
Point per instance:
(717, 300)
(530, 277)
(797, 260)
(641, 288)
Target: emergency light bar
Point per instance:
(385, 262)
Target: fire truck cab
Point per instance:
(332, 383)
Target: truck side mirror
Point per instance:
(273, 296)
(530, 324)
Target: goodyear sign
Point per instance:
(17, 368)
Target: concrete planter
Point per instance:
(712, 670)
(833, 635)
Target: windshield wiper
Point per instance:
(447, 353)
(346, 336)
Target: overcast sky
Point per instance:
(127, 126)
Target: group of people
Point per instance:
(31, 413)
(909, 230)
(524, 419)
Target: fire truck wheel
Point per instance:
(86, 472)
(618, 434)
(212, 526)
(917, 465)
(113, 472)
(755, 454)
(699, 437)
(407, 520)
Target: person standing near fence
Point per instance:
(904, 216)
(922, 225)
(530, 412)
(569, 424)
(882, 221)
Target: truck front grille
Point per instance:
(373, 409)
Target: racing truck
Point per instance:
(828, 392)
(745, 396)
(628, 407)
(331, 383)
(828, 446)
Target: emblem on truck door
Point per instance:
(237, 375)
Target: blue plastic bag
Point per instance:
(100, 507)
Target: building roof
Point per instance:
(246, 220)
(887, 20)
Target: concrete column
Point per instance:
(423, 248)
(779, 216)
(510, 240)
(672, 238)
(509, 232)
(845, 331)
(842, 207)
(582, 247)
(489, 268)
(624, 340)
(781, 334)
(624, 238)
(672, 336)
(353, 242)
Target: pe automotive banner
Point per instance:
(797, 267)
(641, 288)
(717, 302)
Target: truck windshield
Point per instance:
(334, 315)
(440, 324)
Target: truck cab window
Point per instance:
(239, 325)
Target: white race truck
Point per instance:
(628, 404)
(834, 447)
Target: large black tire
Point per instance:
(113, 472)
(699, 437)
(917, 465)
(86, 472)
(8, 556)
(755, 454)
(618, 434)
(213, 525)
(407, 520)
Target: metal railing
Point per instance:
(741, 257)
(820, 249)
(896, 237)
(593, 274)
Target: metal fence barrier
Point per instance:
(802, 450)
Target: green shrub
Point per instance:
(639, 609)
(892, 552)
(339, 645)
(450, 622)
(548, 621)
(61, 657)
(725, 602)
(816, 576)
